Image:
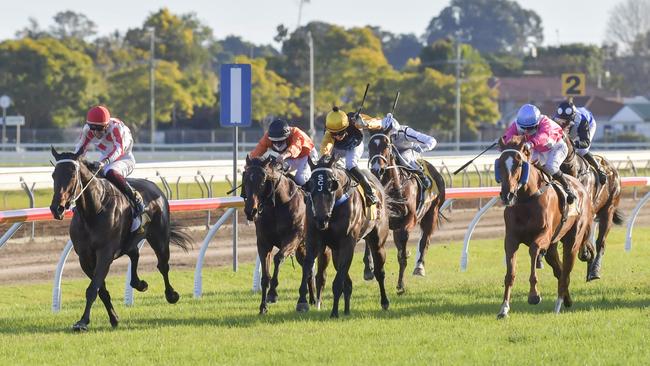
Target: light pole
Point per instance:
(152, 87)
(456, 15)
(312, 130)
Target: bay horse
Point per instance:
(534, 216)
(100, 229)
(277, 206)
(605, 199)
(338, 218)
(405, 206)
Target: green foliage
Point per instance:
(492, 25)
(575, 57)
(273, 95)
(448, 317)
(51, 85)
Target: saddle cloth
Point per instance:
(371, 211)
(428, 195)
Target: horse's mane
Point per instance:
(73, 156)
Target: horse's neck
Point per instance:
(535, 182)
(395, 173)
(344, 182)
(90, 200)
(284, 190)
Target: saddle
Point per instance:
(371, 211)
(429, 194)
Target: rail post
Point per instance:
(30, 194)
(168, 190)
(632, 219)
(128, 290)
(470, 229)
(198, 271)
(178, 192)
(56, 288)
(208, 188)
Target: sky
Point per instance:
(564, 21)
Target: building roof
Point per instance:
(642, 109)
(602, 108)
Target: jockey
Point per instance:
(582, 127)
(293, 146)
(410, 144)
(114, 141)
(544, 138)
(345, 139)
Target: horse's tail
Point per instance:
(618, 218)
(440, 199)
(179, 237)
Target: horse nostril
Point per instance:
(60, 210)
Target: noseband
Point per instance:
(78, 177)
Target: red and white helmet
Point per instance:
(98, 116)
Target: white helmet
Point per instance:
(390, 124)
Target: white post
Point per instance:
(470, 229)
(198, 277)
(56, 291)
(12, 230)
(128, 290)
(257, 275)
(632, 219)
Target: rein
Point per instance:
(273, 192)
(523, 180)
(77, 171)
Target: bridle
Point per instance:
(320, 187)
(79, 185)
(392, 148)
(274, 188)
(525, 168)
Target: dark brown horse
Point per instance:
(338, 218)
(277, 205)
(406, 208)
(534, 216)
(100, 228)
(605, 199)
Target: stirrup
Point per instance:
(371, 199)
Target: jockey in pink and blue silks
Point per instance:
(544, 137)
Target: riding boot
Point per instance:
(358, 175)
(602, 177)
(123, 185)
(424, 179)
(570, 196)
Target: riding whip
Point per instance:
(469, 162)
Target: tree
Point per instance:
(33, 30)
(273, 95)
(491, 25)
(51, 85)
(233, 46)
(628, 20)
(576, 57)
(398, 48)
(69, 24)
(182, 39)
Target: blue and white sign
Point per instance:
(235, 95)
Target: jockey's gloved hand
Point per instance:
(418, 149)
(96, 165)
(528, 145)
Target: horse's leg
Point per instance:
(300, 257)
(376, 243)
(342, 261)
(159, 241)
(368, 265)
(313, 246)
(605, 221)
(264, 251)
(287, 247)
(102, 264)
(88, 266)
(401, 237)
(347, 294)
(136, 283)
(569, 251)
(534, 297)
(553, 259)
(511, 245)
(427, 225)
(324, 258)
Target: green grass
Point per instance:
(446, 318)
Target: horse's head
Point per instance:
(258, 181)
(321, 188)
(67, 181)
(379, 150)
(511, 168)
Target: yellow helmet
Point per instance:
(336, 120)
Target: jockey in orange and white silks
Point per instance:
(410, 144)
(544, 137)
(113, 139)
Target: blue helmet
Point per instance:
(528, 117)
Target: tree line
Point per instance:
(53, 74)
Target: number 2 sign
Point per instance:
(573, 84)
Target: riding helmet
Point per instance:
(528, 116)
(98, 115)
(566, 111)
(336, 120)
(279, 130)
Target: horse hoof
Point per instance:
(346, 312)
(334, 315)
(568, 302)
(502, 316)
(172, 297)
(141, 287)
(534, 299)
(263, 310)
(114, 322)
(318, 305)
(419, 271)
(385, 305)
(368, 275)
(302, 307)
(272, 298)
(401, 290)
(80, 327)
(591, 277)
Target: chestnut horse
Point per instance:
(605, 199)
(534, 216)
(405, 207)
(338, 218)
(277, 205)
